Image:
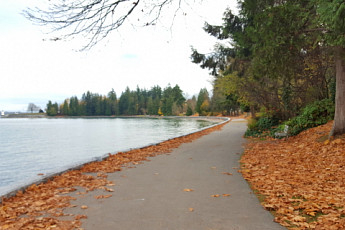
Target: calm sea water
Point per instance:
(29, 147)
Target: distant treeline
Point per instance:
(156, 101)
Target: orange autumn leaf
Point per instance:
(108, 189)
(225, 195)
(311, 213)
(103, 196)
(188, 190)
(78, 217)
(216, 195)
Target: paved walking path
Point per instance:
(175, 191)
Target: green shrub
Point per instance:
(315, 114)
(265, 123)
(252, 123)
(262, 126)
(189, 111)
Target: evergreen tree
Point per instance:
(74, 109)
(167, 101)
(203, 102)
(189, 111)
(112, 102)
(51, 109)
(65, 108)
(154, 101)
(124, 102)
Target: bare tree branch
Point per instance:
(94, 19)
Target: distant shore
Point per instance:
(25, 115)
(43, 115)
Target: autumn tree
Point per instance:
(203, 102)
(191, 105)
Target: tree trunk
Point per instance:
(252, 111)
(339, 116)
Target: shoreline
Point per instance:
(79, 165)
(97, 117)
(40, 205)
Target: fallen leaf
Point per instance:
(191, 209)
(217, 195)
(39, 203)
(337, 141)
(102, 196)
(299, 218)
(81, 193)
(311, 213)
(108, 189)
(225, 195)
(227, 173)
(188, 190)
(78, 217)
(84, 207)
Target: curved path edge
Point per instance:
(196, 186)
(79, 165)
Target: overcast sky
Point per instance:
(34, 71)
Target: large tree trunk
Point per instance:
(339, 116)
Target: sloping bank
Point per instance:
(37, 206)
(301, 179)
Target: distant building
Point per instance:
(2, 113)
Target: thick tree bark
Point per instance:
(339, 116)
